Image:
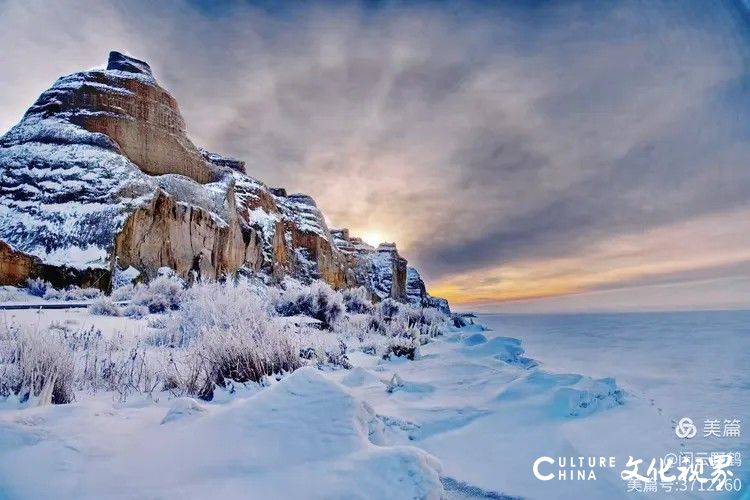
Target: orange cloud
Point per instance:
(701, 243)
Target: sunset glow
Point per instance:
(504, 167)
(372, 238)
(633, 262)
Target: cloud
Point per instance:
(697, 249)
(480, 138)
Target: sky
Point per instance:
(525, 156)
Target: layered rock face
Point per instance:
(100, 173)
(416, 292)
(17, 267)
(125, 103)
(190, 240)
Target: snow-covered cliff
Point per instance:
(100, 173)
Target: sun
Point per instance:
(372, 238)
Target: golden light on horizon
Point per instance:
(373, 238)
(610, 263)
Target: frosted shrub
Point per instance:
(159, 322)
(10, 293)
(247, 355)
(50, 364)
(161, 294)
(114, 364)
(324, 349)
(357, 332)
(357, 300)
(435, 320)
(354, 327)
(381, 315)
(390, 318)
(37, 287)
(229, 332)
(318, 301)
(35, 365)
(123, 293)
(338, 356)
(434, 316)
(124, 277)
(389, 308)
(374, 334)
(104, 306)
(73, 293)
(239, 354)
(216, 305)
(52, 294)
(405, 343)
(427, 320)
(404, 327)
(375, 345)
(135, 311)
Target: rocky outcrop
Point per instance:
(381, 270)
(387, 272)
(416, 292)
(307, 233)
(16, 268)
(415, 287)
(140, 116)
(296, 239)
(133, 114)
(223, 161)
(128, 64)
(189, 239)
(101, 164)
(100, 173)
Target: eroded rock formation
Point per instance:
(100, 173)
(17, 267)
(189, 239)
(125, 104)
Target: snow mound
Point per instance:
(311, 426)
(475, 339)
(316, 414)
(565, 395)
(397, 384)
(505, 349)
(182, 408)
(587, 396)
(359, 377)
(303, 437)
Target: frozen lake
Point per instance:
(685, 364)
(693, 364)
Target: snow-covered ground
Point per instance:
(473, 411)
(674, 364)
(487, 422)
